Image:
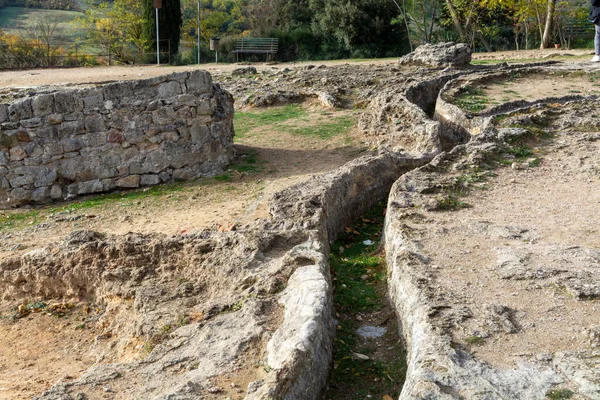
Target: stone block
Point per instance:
(67, 169)
(17, 153)
(71, 128)
(41, 194)
(55, 119)
(131, 181)
(186, 100)
(184, 174)
(178, 76)
(154, 105)
(8, 139)
(94, 123)
(45, 177)
(205, 106)
(31, 122)
(3, 113)
(53, 148)
(149, 180)
(118, 90)
(164, 116)
(170, 136)
(169, 89)
(108, 184)
(93, 139)
(43, 104)
(93, 100)
(165, 176)
(19, 195)
(4, 183)
(19, 110)
(93, 186)
(3, 157)
(71, 144)
(200, 134)
(21, 180)
(199, 82)
(46, 133)
(67, 102)
(3, 171)
(33, 150)
(23, 136)
(56, 192)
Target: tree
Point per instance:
(115, 28)
(45, 29)
(169, 20)
(548, 26)
(361, 28)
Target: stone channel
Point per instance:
(265, 289)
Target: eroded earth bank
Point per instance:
(491, 241)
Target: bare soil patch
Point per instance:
(517, 255)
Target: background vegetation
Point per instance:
(58, 32)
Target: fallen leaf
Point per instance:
(387, 397)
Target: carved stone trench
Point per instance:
(264, 290)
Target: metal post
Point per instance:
(216, 56)
(157, 41)
(198, 32)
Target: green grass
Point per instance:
(244, 122)
(337, 126)
(9, 221)
(280, 118)
(472, 99)
(17, 220)
(357, 271)
(559, 394)
(16, 20)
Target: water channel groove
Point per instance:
(369, 359)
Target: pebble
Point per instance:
(371, 331)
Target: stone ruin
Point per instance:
(63, 143)
(265, 289)
(439, 55)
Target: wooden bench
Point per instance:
(577, 30)
(268, 46)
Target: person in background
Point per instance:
(594, 18)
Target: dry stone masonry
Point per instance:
(64, 143)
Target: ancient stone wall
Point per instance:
(63, 143)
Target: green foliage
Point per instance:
(363, 28)
(559, 394)
(169, 23)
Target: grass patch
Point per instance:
(18, 219)
(10, 221)
(559, 394)
(244, 122)
(472, 99)
(475, 340)
(451, 202)
(337, 126)
(358, 272)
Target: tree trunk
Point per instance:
(548, 28)
(456, 20)
(486, 43)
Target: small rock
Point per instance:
(360, 357)
(371, 332)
